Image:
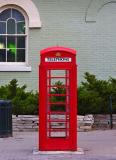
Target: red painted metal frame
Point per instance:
(69, 142)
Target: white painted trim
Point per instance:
(12, 67)
(29, 7)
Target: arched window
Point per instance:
(16, 18)
(13, 36)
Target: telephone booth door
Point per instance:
(58, 105)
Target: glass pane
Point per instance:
(58, 124)
(5, 15)
(11, 44)
(58, 134)
(57, 89)
(21, 28)
(17, 15)
(2, 27)
(2, 42)
(11, 26)
(20, 55)
(57, 108)
(10, 56)
(2, 55)
(58, 81)
(20, 42)
(62, 73)
(55, 116)
(57, 98)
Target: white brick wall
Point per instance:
(63, 24)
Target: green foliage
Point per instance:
(93, 95)
(23, 102)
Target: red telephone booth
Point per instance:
(58, 100)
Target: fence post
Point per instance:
(110, 110)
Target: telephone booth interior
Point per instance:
(58, 100)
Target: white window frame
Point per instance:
(18, 66)
(30, 9)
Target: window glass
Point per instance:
(20, 28)
(11, 47)
(5, 15)
(20, 42)
(2, 55)
(11, 26)
(11, 55)
(11, 42)
(2, 42)
(20, 55)
(17, 15)
(2, 27)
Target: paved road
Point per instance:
(97, 145)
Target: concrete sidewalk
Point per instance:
(97, 145)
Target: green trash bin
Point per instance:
(5, 118)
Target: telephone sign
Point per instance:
(57, 59)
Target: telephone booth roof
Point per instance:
(58, 48)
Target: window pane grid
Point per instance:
(16, 49)
(58, 104)
(17, 15)
(12, 31)
(5, 15)
(3, 21)
(6, 49)
(13, 35)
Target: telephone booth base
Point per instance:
(79, 151)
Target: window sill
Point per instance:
(14, 67)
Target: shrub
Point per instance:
(23, 102)
(93, 95)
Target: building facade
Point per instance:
(27, 26)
